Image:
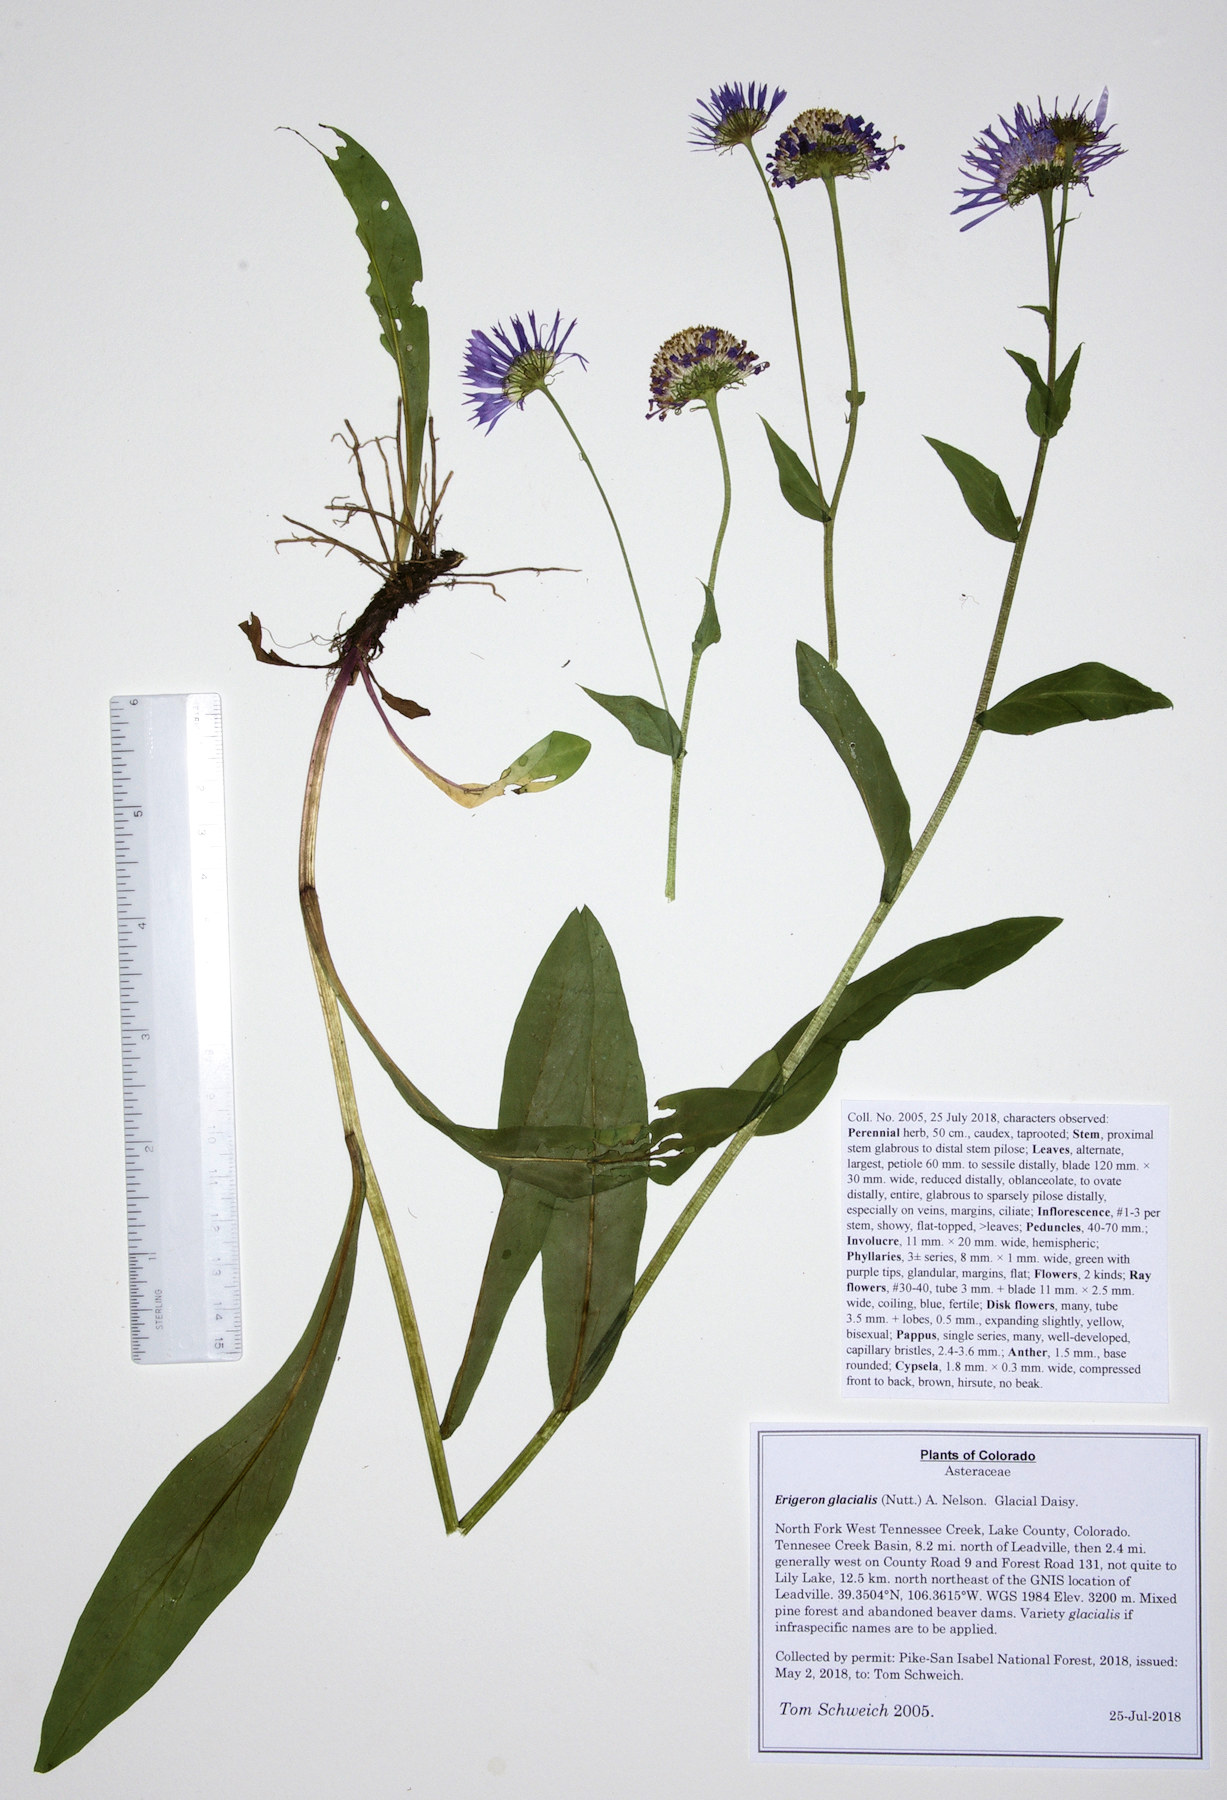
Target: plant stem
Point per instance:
(511, 1474)
(880, 913)
(713, 409)
(796, 322)
(854, 407)
(675, 797)
(1054, 242)
(626, 561)
(348, 1102)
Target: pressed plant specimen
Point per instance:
(576, 1142)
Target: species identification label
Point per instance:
(947, 1593)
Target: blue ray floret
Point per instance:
(822, 142)
(732, 115)
(503, 369)
(1033, 154)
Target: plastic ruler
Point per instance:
(174, 982)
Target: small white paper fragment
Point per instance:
(985, 1593)
(1005, 1250)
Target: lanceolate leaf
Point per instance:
(796, 483)
(573, 1067)
(826, 696)
(986, 498)
(709, 625)
(1089, 690)
(567, 1161)
(1039, 395)
(200, 1533)
(395, 262)
(700, 1118)
(1047, 407)
(1063, 390)
(649, 725)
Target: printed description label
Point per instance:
(978, 1593)
(1009, 1249)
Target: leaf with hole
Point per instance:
(700, 1118)
(395, 266)
(547, 764)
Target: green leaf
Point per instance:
(1047, 408)
(826, 696)
(566, 1161)
(709, 625)
(860, 396)
(200, 1533)
(796, 483)
(572, 1065)
(547, 764)
(1039, 397)
(649, 725)
(569, 1161)
(982, 490)
(700, 1118)
(1063, 391)
(1089, 690)
(395, 264)
(1043, 312)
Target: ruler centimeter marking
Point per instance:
(174, 997)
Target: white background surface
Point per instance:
(185, 326)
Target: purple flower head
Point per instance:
(504, 369)
(695, 364)
(1034, 153)
(732, 115)
(821, 143)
